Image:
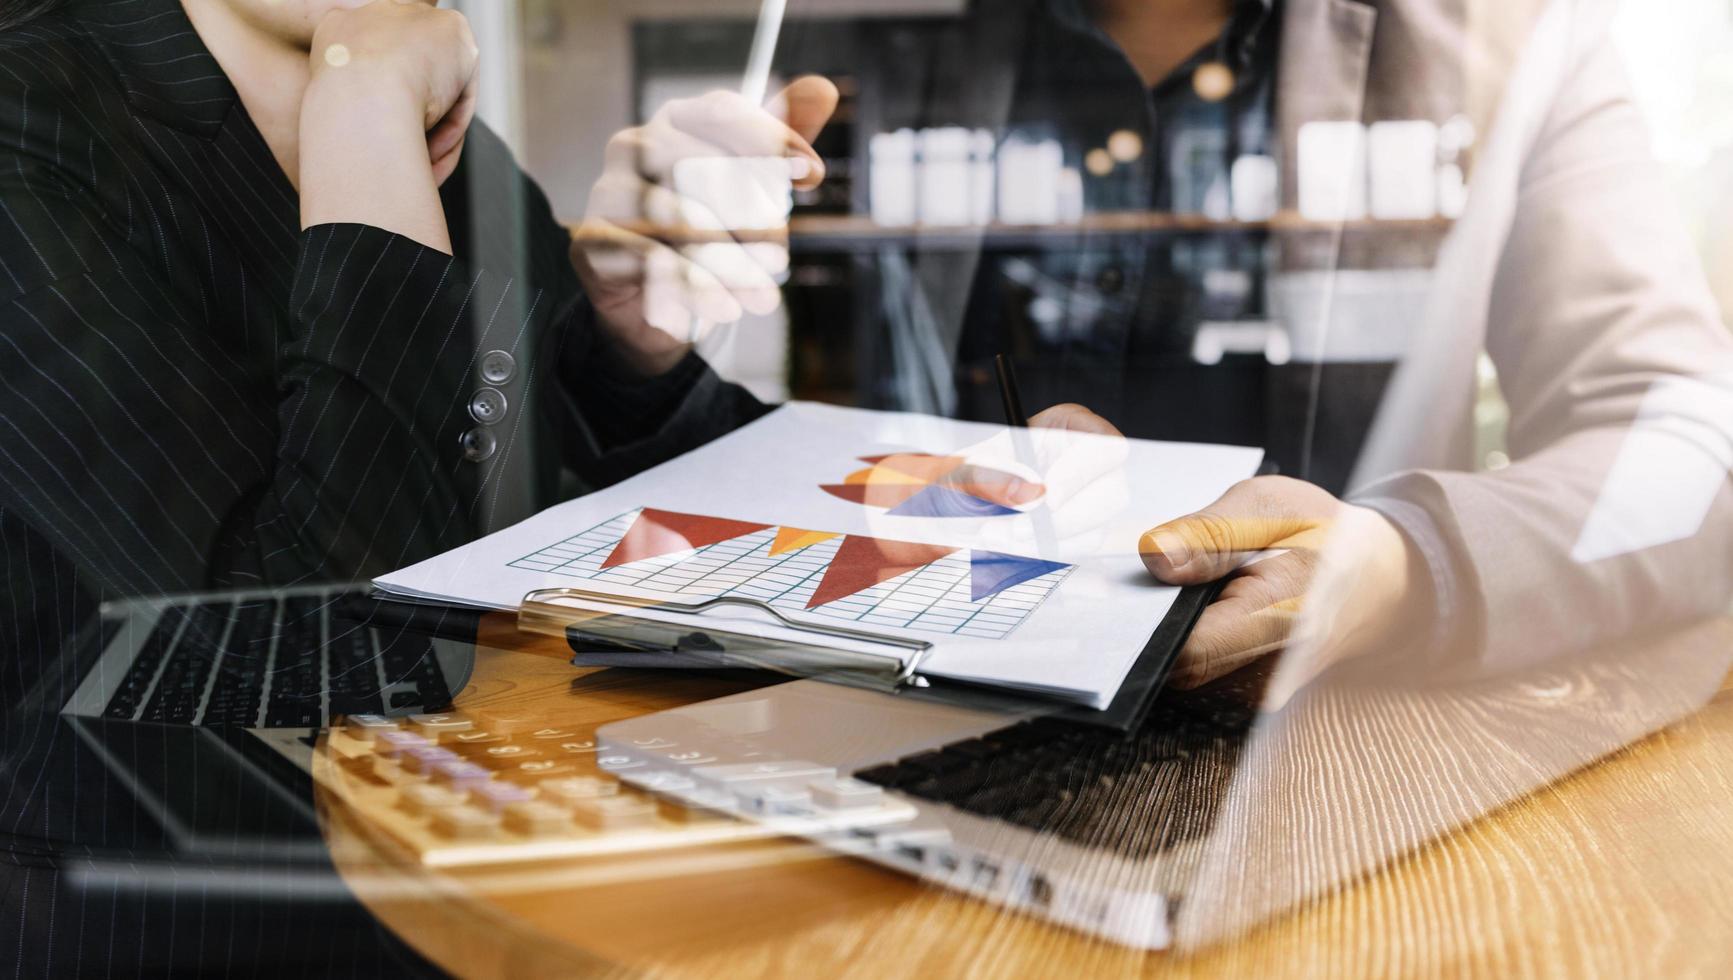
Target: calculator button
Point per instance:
(682, 756)
(579, 746)
(534, 818)
(538, 776)
(576, 789)
(476, 737)
(660, 782)
(773, 799)
(845, 794)
(507, 716)
(421, 760)
(616, 763)
(434, 726)
(496, 796)
(743, 773)
(392, 744)
(509, 753)
(460, 775)
(615, 812)
(546, 734)
(543, 769)
(365, 727)
(426, 797)
(464, 823)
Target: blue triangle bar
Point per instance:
(937, 501)
(991, 573)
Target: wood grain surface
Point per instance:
(1427, 828)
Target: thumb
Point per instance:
(1074, 418)
(994, 485)
(806, 105)
(1207, 545)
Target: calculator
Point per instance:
(456, 791)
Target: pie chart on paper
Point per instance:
(926, 485)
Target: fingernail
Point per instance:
(1173, 548)
(799, 168)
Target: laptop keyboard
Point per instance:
(1132, 794)
(273, 662)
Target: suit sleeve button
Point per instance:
(478, 444)
(497, 367)
(487, 405)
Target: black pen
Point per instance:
(1009, 394)
(1046, 541)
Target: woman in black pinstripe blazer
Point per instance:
(271, 311)
(250, 333)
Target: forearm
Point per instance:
(1576, 546)
(364, 160)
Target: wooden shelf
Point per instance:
(850, 233)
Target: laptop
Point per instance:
(206, 709)
(1219, 811)
(289, 658)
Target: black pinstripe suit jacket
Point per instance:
(194, 393)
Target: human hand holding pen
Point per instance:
(687, 227)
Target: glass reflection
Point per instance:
(283, 312)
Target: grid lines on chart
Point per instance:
(934, 598)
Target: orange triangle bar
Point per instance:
(863, 562)
(922, 466)
(794, 538)
(873, 494)
(877, 475)
(664, 532)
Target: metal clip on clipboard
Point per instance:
(669, 644)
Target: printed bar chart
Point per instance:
(869, 580)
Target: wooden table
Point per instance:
(1624, 868)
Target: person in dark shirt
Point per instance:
(1152, 106)
(1391, 197)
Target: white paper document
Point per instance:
(1013, 552)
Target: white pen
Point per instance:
(763, 50)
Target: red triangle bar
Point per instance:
(863, 562)
(663, 532)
